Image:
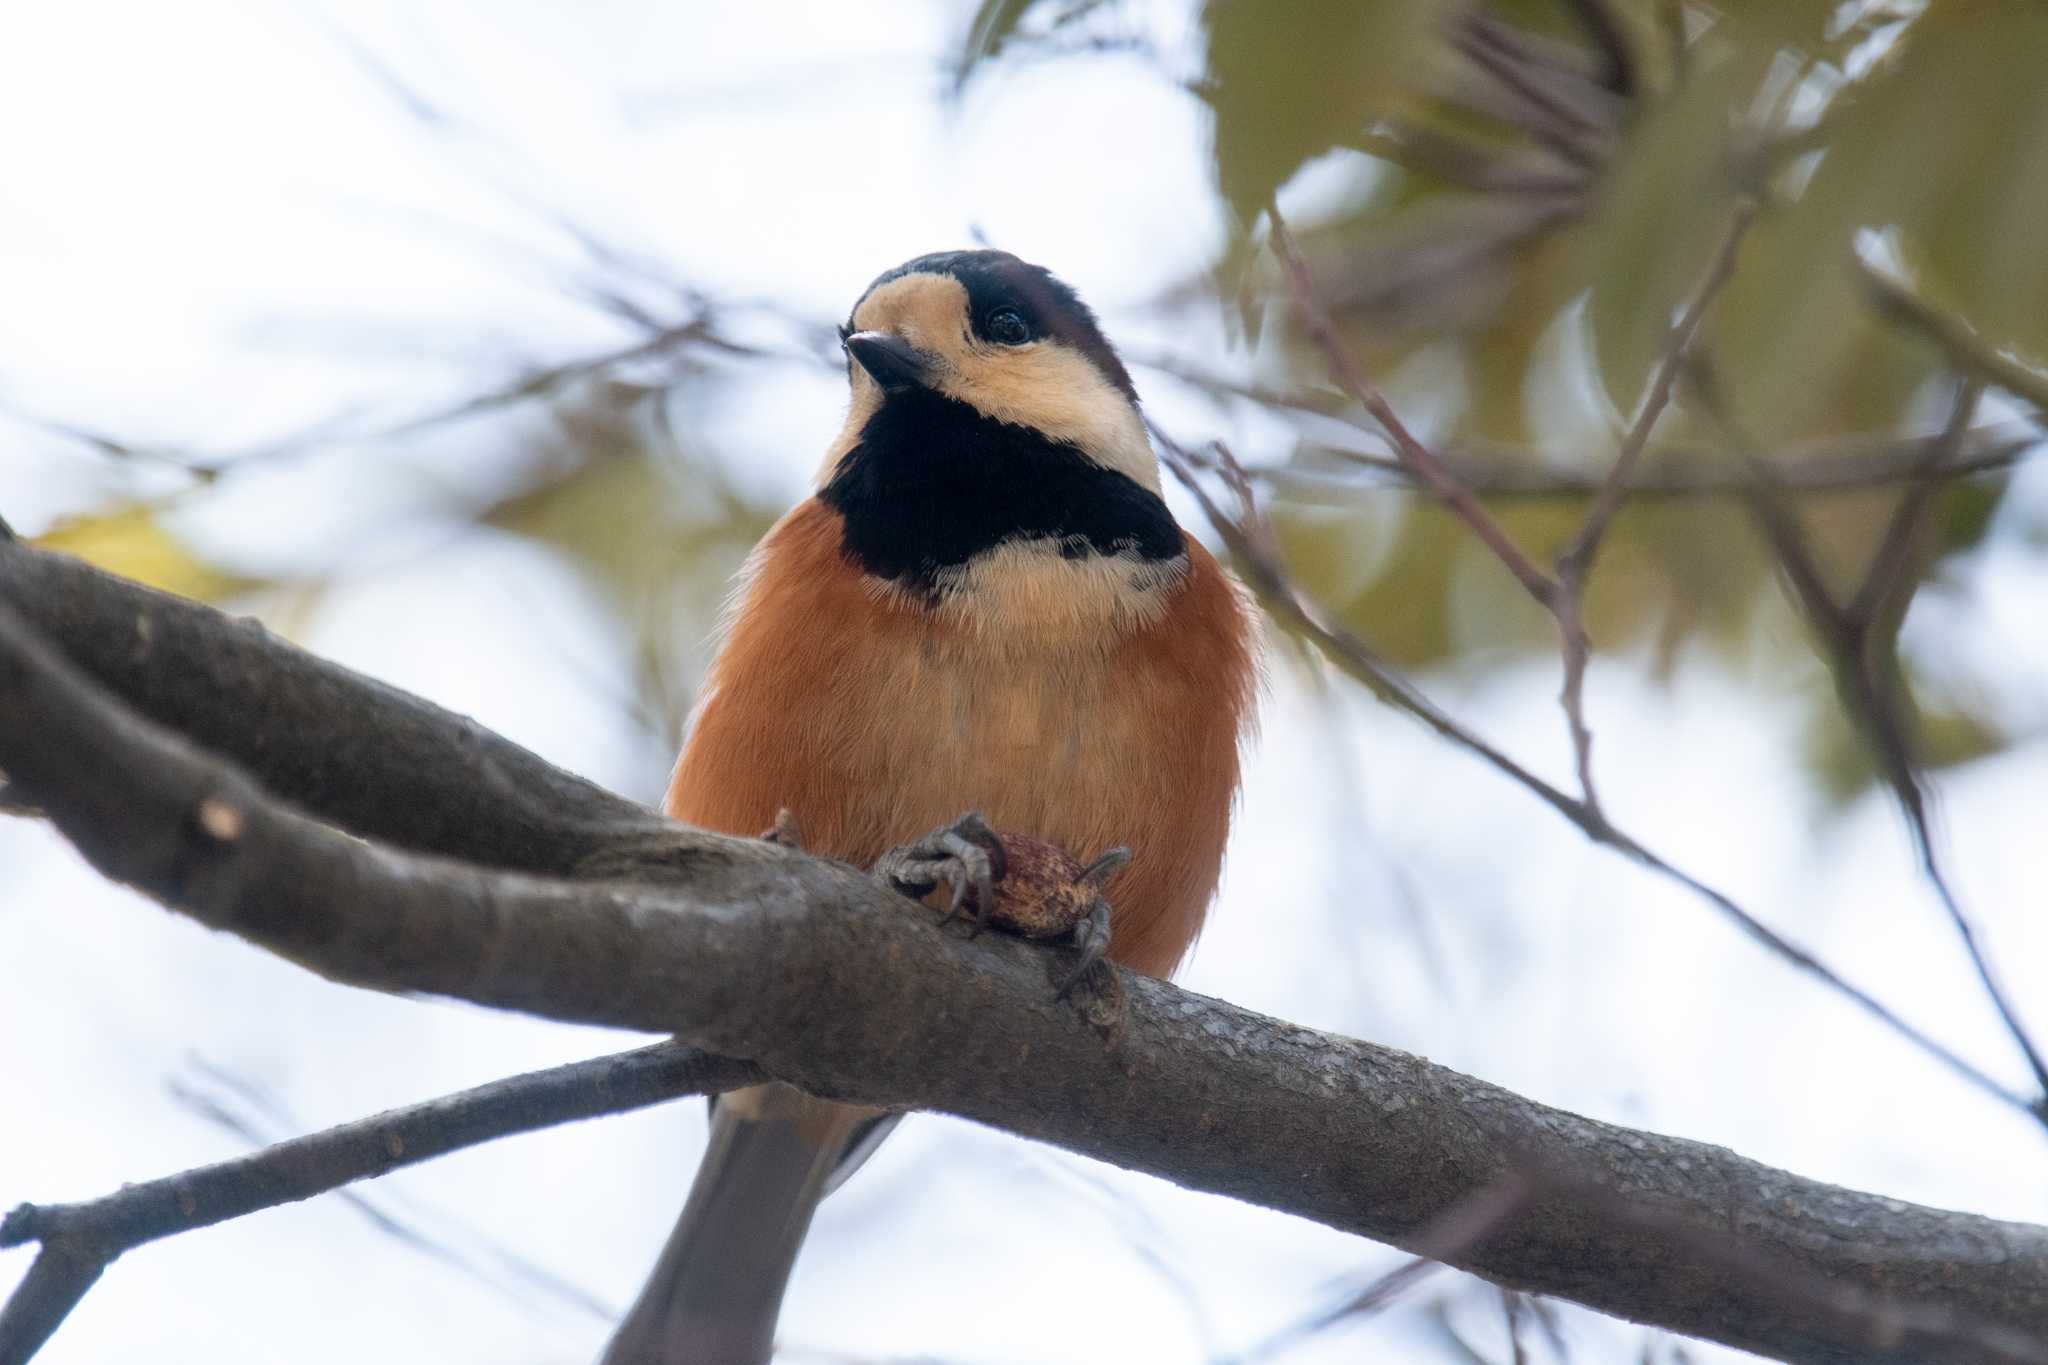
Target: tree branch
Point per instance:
(80, 1240)
(1416, 457)
(1575, 561)
(748, 949)
(1859, 642)
(1811, 468)
(1257, 558)
(318, 735)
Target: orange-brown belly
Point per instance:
(876, 719)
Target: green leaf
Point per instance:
(1290, 79)
(130, 540)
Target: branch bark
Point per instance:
(826, 980)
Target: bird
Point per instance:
(986, 606)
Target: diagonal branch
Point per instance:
(1412, 453)
(1970, 350)
(1575, 563)
(78, 1241)
(1257, 559)
(1814, 468)
(742, 948)
(1860, 643)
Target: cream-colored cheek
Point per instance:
(1061, 393)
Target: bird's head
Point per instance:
(1004, 339)
(993, 456)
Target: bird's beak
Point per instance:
(893, 363)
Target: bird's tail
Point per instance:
(713, 1297)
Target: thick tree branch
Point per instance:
(78, 1241)
(828, 981)
(318, 735)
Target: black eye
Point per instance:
(1007, 327)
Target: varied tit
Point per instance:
(985, 607)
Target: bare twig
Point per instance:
(1575, 562)
(1608, 31)
(1513, 1306)
(247, 1110)
(1860, 641)
(1529, 97)
(1966, 347)
(1561, 595)
(1822, 465)
(1413, 453)
(1256, 558)
(1268, 578)
(1806, 469)
(1450, 1234)
(79, 1240)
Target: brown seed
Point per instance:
(1041, 894)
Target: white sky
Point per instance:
(215, 227)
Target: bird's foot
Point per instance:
(1091, 931)
(965, 856)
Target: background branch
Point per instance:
(1257, 558)
(1859, 641)
(78, 1241)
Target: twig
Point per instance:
(1413, 453)
(1530, 104)
(1807, 469)
(1860, 640)
(1450, 1234)
(501, 1268)
(1577, 559)
(1270, 582)
(1605, 26)
(1966, 347)
(1575, 563)
(1256, 558)
(80, 1240)
(1831, 464)
(1512, 1306)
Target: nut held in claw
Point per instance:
(1045, 891)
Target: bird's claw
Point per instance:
(966, 856)
(1091, 938)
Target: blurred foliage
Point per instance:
(1536, 189)
(657, 534)
(131, 541)
(1505, 206)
